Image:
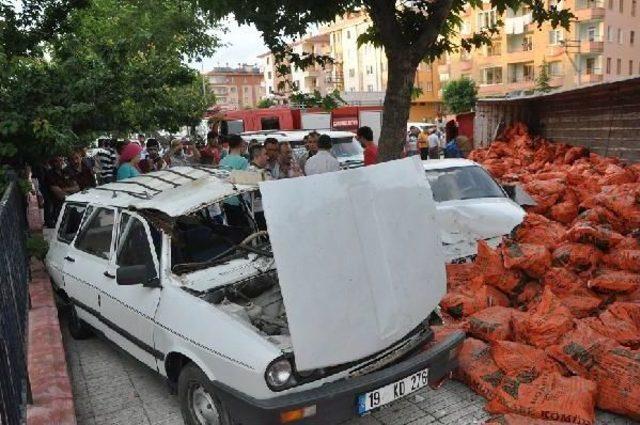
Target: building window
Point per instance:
(487, 19)
(618, 66)
(492, 75)
(621, 6)
(495, 48)
(269, 75)
(348, 35)
(633, 7)
(444, 77)
(555, 68)
(592, 33)
(632, 36)
(620, 36)
(609, 34)
(428, 87)
(465, 28)
(369, 70)
(246, 89)
(370, 87)
(267, 60)
(610, 4)
(233, 89)
(555, 37)
(630, 67)
(608, 65)
(352, 73)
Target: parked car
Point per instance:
(423, 126)
(345, 147)
(470, 206)
(148, 263)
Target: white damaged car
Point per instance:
(470, 206)
(322, 317)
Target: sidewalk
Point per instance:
(112, 388)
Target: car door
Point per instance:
(87, 264)
(62, 239)
(130, 308)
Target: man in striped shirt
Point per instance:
(107, 159)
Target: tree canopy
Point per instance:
(410, 32)
(460, 95)
(106, 67)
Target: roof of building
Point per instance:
(249, 70)
(175, 191)
(562, 92)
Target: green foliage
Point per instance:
(37, 247)
(543, 78)
(316, 100)
(265, 103)
(460, 95)
(110, 66)
(416, 92)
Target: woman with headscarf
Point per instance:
(129, 159)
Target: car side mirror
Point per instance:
(136, 275)
(520, 196)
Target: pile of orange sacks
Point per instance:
(552, 316)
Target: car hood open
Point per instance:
(359, 258)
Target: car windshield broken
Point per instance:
(204, 238)
(459, 183)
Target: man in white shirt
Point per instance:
(434, 142)
(323, 161)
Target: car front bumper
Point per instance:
(337, 401)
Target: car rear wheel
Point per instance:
(198, 401)
(78, 328)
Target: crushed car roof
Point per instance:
(175, 191)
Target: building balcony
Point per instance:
(556, 80)
(465, 64)
(520, 55)
(520, 84)
(491, 89)
(589, 77)
(592, 46)
(587, 10)
(554, 50)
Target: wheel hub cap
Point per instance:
(203, 406)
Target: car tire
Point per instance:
(78, 328)
(198, 401)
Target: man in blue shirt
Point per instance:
(235, 161)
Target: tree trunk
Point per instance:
(397, 102)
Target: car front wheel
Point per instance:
(198, 402)
(78, 328)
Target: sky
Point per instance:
(243, 45)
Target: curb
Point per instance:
(52, 397)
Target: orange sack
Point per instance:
(614, 281)
(459, 274)
(538, 229)
(534, 260)
(618, 379)
(624, 259)
(621, 322)
(550, 397)
(489, 264)
(491, 324)
(520, 360)
(475, 297)
(545, 324)
(576, 255)
(477, 369)
(596, 234)
(513, 419)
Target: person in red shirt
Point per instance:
(364, 135)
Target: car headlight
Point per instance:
(278, 374)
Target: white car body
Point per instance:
(462, 222)
(423, 126)
(372, 301)
(348, 150)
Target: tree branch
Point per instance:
(383, 15)
(437, 16)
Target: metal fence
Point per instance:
(14, 299)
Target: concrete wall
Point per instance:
(605, 118)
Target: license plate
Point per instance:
(388, 393)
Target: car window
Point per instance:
(95, 237)
(345, 146)
(71, 220)
(133, 245)
(461, 183)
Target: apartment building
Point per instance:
(236, 88)
(361, 71)
(305, 80)
(600, 45)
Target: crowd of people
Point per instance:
(117, 160)
(442, 139)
